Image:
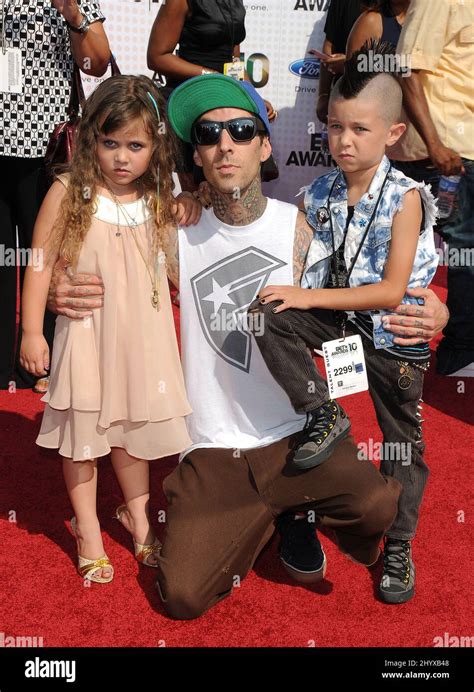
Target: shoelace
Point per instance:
(326, 417)
(396, 561)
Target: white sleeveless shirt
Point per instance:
(235, 400)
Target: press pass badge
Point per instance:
(235, 69)
(345, 366)
(11, 78)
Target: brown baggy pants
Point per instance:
(222, 507)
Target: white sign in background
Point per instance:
(279, 35)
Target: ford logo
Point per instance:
(308, 68)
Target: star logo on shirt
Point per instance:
(222, 294)
(219, 295)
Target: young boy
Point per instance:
(373, 239)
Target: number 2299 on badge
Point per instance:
(345, 366)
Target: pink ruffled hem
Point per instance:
(77, 435)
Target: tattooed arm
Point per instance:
(171, 250)
(414, 324)
(303, 238)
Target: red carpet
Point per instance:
(43, 596)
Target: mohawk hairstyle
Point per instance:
(355, 78)
(372, 70)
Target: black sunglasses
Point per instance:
(240, 129)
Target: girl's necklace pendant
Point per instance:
(155, 299)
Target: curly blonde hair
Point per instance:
(114, 103)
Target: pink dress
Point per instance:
(116, 378)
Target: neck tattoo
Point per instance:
(239, 210)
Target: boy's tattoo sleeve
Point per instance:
(303, 238)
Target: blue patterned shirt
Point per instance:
(370, 264)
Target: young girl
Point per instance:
(116, 381)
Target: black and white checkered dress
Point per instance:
(28, 119)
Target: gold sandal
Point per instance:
(86, 567)
(142, 552)
(41, 385)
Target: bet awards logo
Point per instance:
(316, 156)
(311, 5)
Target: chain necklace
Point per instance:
(130, 220)
(132, 224)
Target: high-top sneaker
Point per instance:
(398, 579)
(325, 427)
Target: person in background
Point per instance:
(340, 18)
(209, 34)
(438, 96)
(382, 22)
(52, 36)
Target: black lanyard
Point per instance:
(341, 316)
(354, 259)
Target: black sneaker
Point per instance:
(300, 550)
(325, 427)
(398, 579)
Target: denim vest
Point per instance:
(370, 263)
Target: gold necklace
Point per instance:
(155, 295)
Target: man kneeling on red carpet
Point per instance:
(232, 486)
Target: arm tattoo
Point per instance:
(303, 238)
